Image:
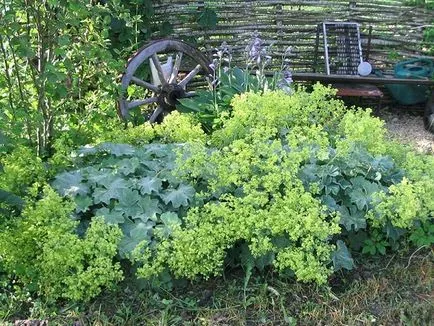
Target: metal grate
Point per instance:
(342, 47)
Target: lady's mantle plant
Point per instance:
(285, 179)
(42, 251)
(292, 183)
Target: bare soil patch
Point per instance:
(408, 128)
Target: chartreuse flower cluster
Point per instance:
(42, 251)
(176, 128)
(253, 196)
(403, 204)
(277, 111)
(253, 193)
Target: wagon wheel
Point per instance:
(160, 84)
(429, 114)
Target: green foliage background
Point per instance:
(59, 63)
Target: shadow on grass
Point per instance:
(390, 290)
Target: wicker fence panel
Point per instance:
(397, 30)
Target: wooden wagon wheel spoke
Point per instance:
(136, 103)
(190, 94)
(158, 79)
(156, 114)
(144, 84)
(183, 83)
(176, 67)
(160, 71)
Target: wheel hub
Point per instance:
(170, 93)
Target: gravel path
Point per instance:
(408, 128)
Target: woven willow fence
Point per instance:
(397, 29)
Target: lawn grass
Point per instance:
(388, 290)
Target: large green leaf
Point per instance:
(69, 184)
(82, 203)
(142, 231)
(332, 188)
(134, 233)
(128, 202)
(103, 195)
(128, 197)
(359, 198)
(341, 257)
(363, 183)
(330, 202)
(170, 218)
(114, 216)
(352, 217)
(128, 166)
(198, 104)
(343, 183)
(178, 197)
(150, 206)
(147, 185)
(362, 191)
(99, 177)
(11, 199)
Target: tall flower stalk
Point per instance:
(257, 59)
(283, 79)
(221, 65)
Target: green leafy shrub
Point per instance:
(288, 176)
(42, 251)
(175, 128)
(59, 71)
(21, 169)
(228, 81)
(293, 183)
(130, 187)
(253, 191)
(276, 110)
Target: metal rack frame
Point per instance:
(348, 46)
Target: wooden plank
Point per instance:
(358, 90)
(358, 79)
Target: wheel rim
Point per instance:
(429, 114)
(174, 80)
